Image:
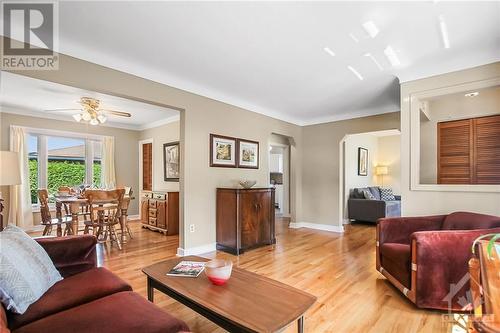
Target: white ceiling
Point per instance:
(32, 97)
(268, 57)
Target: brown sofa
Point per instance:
(424, 256)
(88, 299)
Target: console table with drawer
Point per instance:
(160, 211)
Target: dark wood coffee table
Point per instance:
(248, 302)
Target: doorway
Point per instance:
(382, 152)
(279, 173)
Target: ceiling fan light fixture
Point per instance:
(86, 116)
(77, 117)
(94, 122)
(101, 118)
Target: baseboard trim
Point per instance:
(316, 226)
(196, 250)
(133, 217)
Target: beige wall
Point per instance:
(446, 108)
(126, 152)
(162, 134)
(389, 154)
(320, 159)
(424, 202)
(201, 117)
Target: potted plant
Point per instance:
(485, 282)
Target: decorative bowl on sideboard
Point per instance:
(247, 183)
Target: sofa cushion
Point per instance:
(26, 270)
(4, 328)
(396, 259)
(122, 312)
(470, 221)
(70, 292)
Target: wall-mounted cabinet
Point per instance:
(160, 211)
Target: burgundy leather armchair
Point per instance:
(427, 257)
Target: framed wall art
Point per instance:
(223, 151)
(171, 161)
(248, 154)
(362, 161)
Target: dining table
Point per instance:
(74, 202)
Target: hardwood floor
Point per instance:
(338, 269)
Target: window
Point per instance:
(33, 167)
(56, 161)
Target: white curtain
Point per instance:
(108, 162)
(20, 212)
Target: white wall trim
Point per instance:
(133, 217)
(317, 226)
(414, 110)
(181, 252)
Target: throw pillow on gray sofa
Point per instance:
(368, 195)
(386, 194)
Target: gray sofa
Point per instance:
(361, 209)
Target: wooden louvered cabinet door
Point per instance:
(487, 150)
(455, 152)
(469, 151)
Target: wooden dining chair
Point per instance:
(84, 208)
(105, 209)
(125, 206)
(47, 220)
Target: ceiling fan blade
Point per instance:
(116, 113)
(62, 110)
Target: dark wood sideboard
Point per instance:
(160, 211)
(245, 219)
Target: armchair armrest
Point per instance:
(71, 254)
(399, 229)
(442, 262)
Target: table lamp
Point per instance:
(382, 170)
(9, 174)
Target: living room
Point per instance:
(213, 94)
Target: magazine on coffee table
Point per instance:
(187, 269)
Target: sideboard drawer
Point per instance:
(152, 221)
(159, 196)
(152, 212)
(152, 203)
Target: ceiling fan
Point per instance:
(91, 113)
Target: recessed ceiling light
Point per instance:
(354, 38)
(355, 72)
(392, 56)
(472, 94)
(444, 32)
(329, 51)
(369, 55)
(370, 28)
